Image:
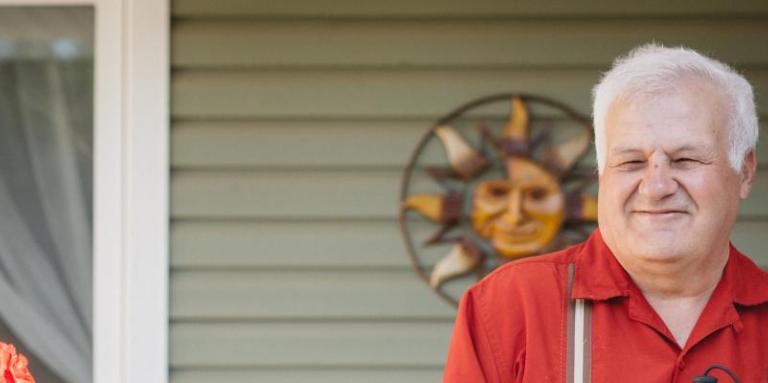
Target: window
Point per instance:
(122, 141)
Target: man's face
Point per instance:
(667, 190)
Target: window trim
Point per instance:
(132, 169)
(131, 177)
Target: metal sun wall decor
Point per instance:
(497, 179)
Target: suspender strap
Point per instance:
(579, 337)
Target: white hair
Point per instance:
(652, 69)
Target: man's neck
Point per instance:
(682, 278)
(680, 314)
(678, 292)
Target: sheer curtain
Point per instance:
(45, 205)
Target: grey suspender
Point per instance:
(579, 336)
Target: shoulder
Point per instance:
(748, 266)
(522, 297)
(540, 278)
(535, 270)
(750, 282)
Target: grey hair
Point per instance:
(652, 69)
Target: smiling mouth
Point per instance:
(660, 213)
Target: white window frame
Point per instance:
(131, 170)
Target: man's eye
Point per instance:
(628, 165)
(631, 164)
(686, 162)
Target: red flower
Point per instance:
(14, 367)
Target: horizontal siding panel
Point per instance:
(292, 94)
(322, 194)
(372, 344)
(339, 245)
(295, 143)
(314, 375)
(454, 43)
(341, 143)
(291, 244)
(298, 194)
(317, 144)
(459, 8)
(398, 294)
(360, 93)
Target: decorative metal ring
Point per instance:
(546, 189)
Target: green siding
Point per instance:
(335, 193)
(303, 294)
(484, 43)
(315, 144)
(460, 8)
(310, 344)
(374, 93)
(317, 244)
(348, 244)
(292, 122)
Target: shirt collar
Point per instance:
(599, 276)
(748, 282)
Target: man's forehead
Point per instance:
(688, 118)
(693, 86)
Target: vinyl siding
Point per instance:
(291, 124)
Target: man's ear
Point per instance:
(748, 170)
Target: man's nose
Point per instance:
(658, 181)
(515, 214)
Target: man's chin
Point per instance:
(658, 245)
(659, 231)
(660, 253)
(663, 241)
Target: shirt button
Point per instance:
(681, 364)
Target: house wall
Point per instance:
(291, 124)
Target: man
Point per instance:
(657, 293)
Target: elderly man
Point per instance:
(657, 293)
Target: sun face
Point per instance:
(521, 214)
(535, 206)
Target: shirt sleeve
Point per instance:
(470, 355)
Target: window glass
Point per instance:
(46, 187)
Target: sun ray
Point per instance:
(440, 235)
(464, 159)
(514, 137)
(463, 258)
(582, 207)
(445, 208)
(560, 158)
(517, 126)
(542, 136)
(442, 175)
(486, 137)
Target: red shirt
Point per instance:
(511, 326)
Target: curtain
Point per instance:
(46, 161)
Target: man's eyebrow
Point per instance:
(693, 148)
(625, 150)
